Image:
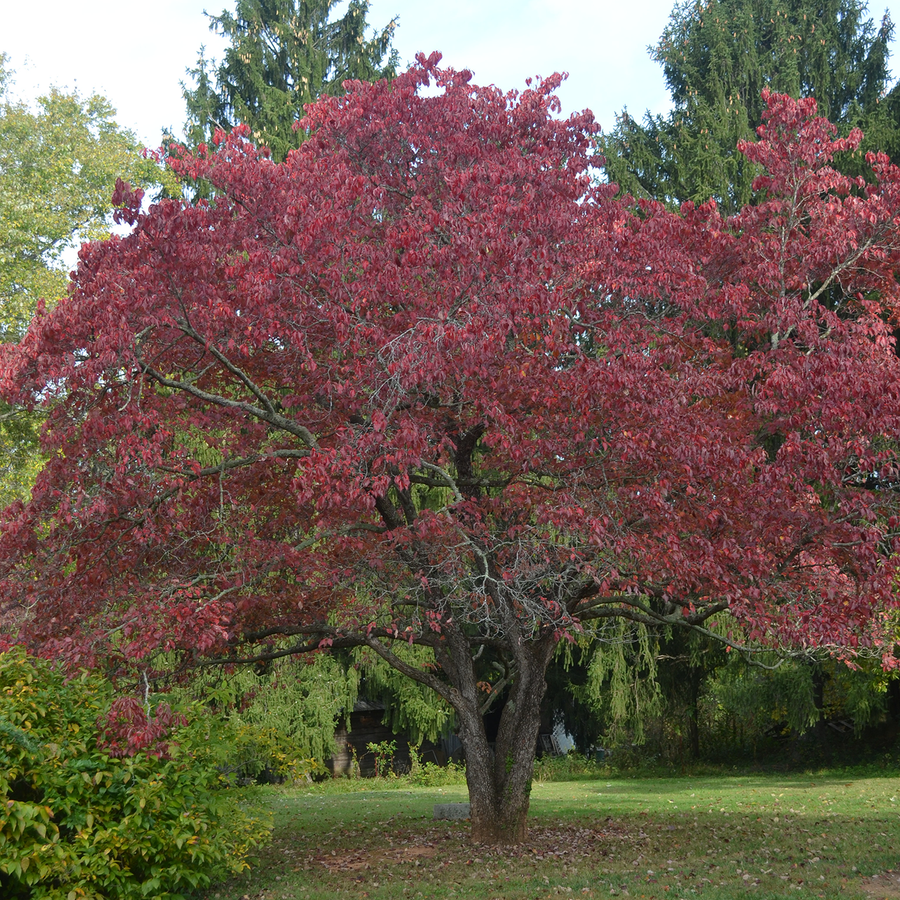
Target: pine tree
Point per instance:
(718, 56)
(282, 55)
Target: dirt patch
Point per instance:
(885, 886)
(454, 847)
(376, 858)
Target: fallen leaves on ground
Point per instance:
(454, 847)
(885, 886)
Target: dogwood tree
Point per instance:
(427, 387)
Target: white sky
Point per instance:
(136, 53)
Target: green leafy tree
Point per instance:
(718, 56)
(282, 54)
(59, 161)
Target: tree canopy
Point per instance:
(426, 386)
(59, 160)
(718, 56)
(282, 54)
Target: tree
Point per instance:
(427, 384)
(718, 56)
(59, 160)
(283, 54)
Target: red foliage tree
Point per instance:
(426, 383)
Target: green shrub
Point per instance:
(571, 767)
(433, 775)
(265, 755)
(384, 753)
(101, 801)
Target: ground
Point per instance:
(768, 837)
(885, 886)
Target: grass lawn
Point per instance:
(762, 836)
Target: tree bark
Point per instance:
(499, 777)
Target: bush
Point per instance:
(384, 753)
(102, 801)
(256, 754)
(571, 767)
(433, 775)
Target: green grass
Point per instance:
(720, 838)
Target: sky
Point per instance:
(136, 54)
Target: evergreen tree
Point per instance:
(282, 55)
(718, 56)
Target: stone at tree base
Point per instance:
(453, 811)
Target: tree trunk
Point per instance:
(499, 778)
(696, 680)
